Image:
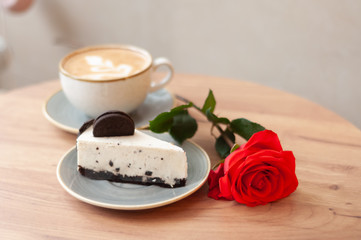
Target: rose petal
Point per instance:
(292, 184)
(213, 182)
(274, 170)
(215, 175)
(235, 158)
(258, 181)
(225, 188)
(281, 165)
(286, 180)
(290, 159)
(287, 172)
(214, 193)
(265, 139)
(262, 195)
(240, 189)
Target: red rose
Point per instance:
(257, 173)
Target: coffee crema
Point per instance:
(98, 64)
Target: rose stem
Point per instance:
(223, 134)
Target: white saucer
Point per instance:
(126, 196)
(60, 112)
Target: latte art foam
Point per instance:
(103, 68)
(105, 64)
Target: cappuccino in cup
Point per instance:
(111, 77)
(105, 64)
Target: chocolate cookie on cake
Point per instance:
(109, 148)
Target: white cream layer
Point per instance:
(133, 155)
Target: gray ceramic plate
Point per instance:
(59, 111)
(127, 196)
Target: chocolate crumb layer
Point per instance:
(106, 175)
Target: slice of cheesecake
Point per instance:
(137, 158)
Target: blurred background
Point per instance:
(311, 48)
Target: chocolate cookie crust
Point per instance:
(106, 175)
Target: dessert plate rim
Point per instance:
(192, 149)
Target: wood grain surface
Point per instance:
(326, 205)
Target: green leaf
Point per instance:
(223, 120)
(221, 145)
(163, 122)
(183, 126)
(213, 118)
(234, 148)
(209, 103)
(245, 128)
(210, 116)
(181, 107)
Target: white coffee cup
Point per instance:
(97, 79)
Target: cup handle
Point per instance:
(154, 86)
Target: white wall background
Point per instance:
(311, 48)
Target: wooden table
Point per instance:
(326, 205)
